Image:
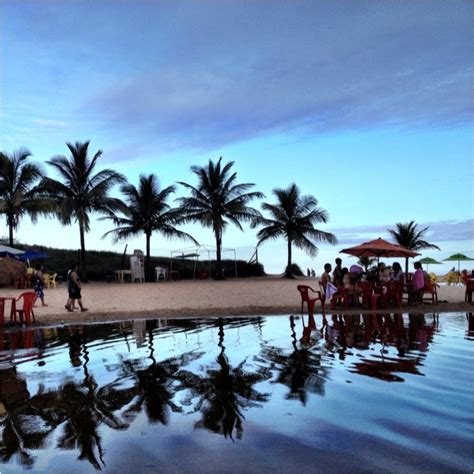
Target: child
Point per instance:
(38, 283)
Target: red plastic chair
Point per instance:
(367, 288)
(340, 296)
(391, 291)
(394, 293)
(26, 312)
(469, 290)
(306, 298)
(2, 311)
(431, 289)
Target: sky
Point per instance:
(366, 105)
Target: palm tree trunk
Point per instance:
(82, 263)
(148, 274)
(406, 265)
(219, 273)
(10, 232)
(288, 266)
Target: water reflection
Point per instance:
(301, 370)
(470, 326)
(224, 392)
(157, 370)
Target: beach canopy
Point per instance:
(6, 251)
(458, 257)
(11, 270)
(32, 255)
(429, 261)
(379, 248)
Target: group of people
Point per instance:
(73, 287)
(341, 277)
(347, 279)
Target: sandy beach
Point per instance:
(250, 296)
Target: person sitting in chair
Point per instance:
(348, 282)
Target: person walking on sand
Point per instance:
(74, 288)
(38, 283)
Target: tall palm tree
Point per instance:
(218, 200)
(293, 217)
(147, 211)
(80, 191)
(410, 237)
(19, 192)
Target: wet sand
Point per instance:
(241, 297)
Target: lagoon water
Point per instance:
(387, 393)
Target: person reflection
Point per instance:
(75, 345)
(399, 335)
(419, 332)
(470, 325)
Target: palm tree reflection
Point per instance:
(83, 408)
(152, 387)
(224, 393)
(16, 438)
(301, 370)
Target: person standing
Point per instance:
(329, 288)
(74, 288)
(38, 283)
(417, 284)
(337, 273)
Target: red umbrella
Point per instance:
(379, 248)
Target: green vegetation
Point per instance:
(102, 264)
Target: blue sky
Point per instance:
(366, 105)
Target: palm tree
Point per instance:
(366, 262)
(19, 194)
(218, 200)
(411, 238)
(80, 191)
(147, 211)
(293, 217)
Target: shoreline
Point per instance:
(249, 297)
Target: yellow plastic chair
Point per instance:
(47, 279)
(52, 280)
(434, 278)
(452, 278)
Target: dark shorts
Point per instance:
(75, 293)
